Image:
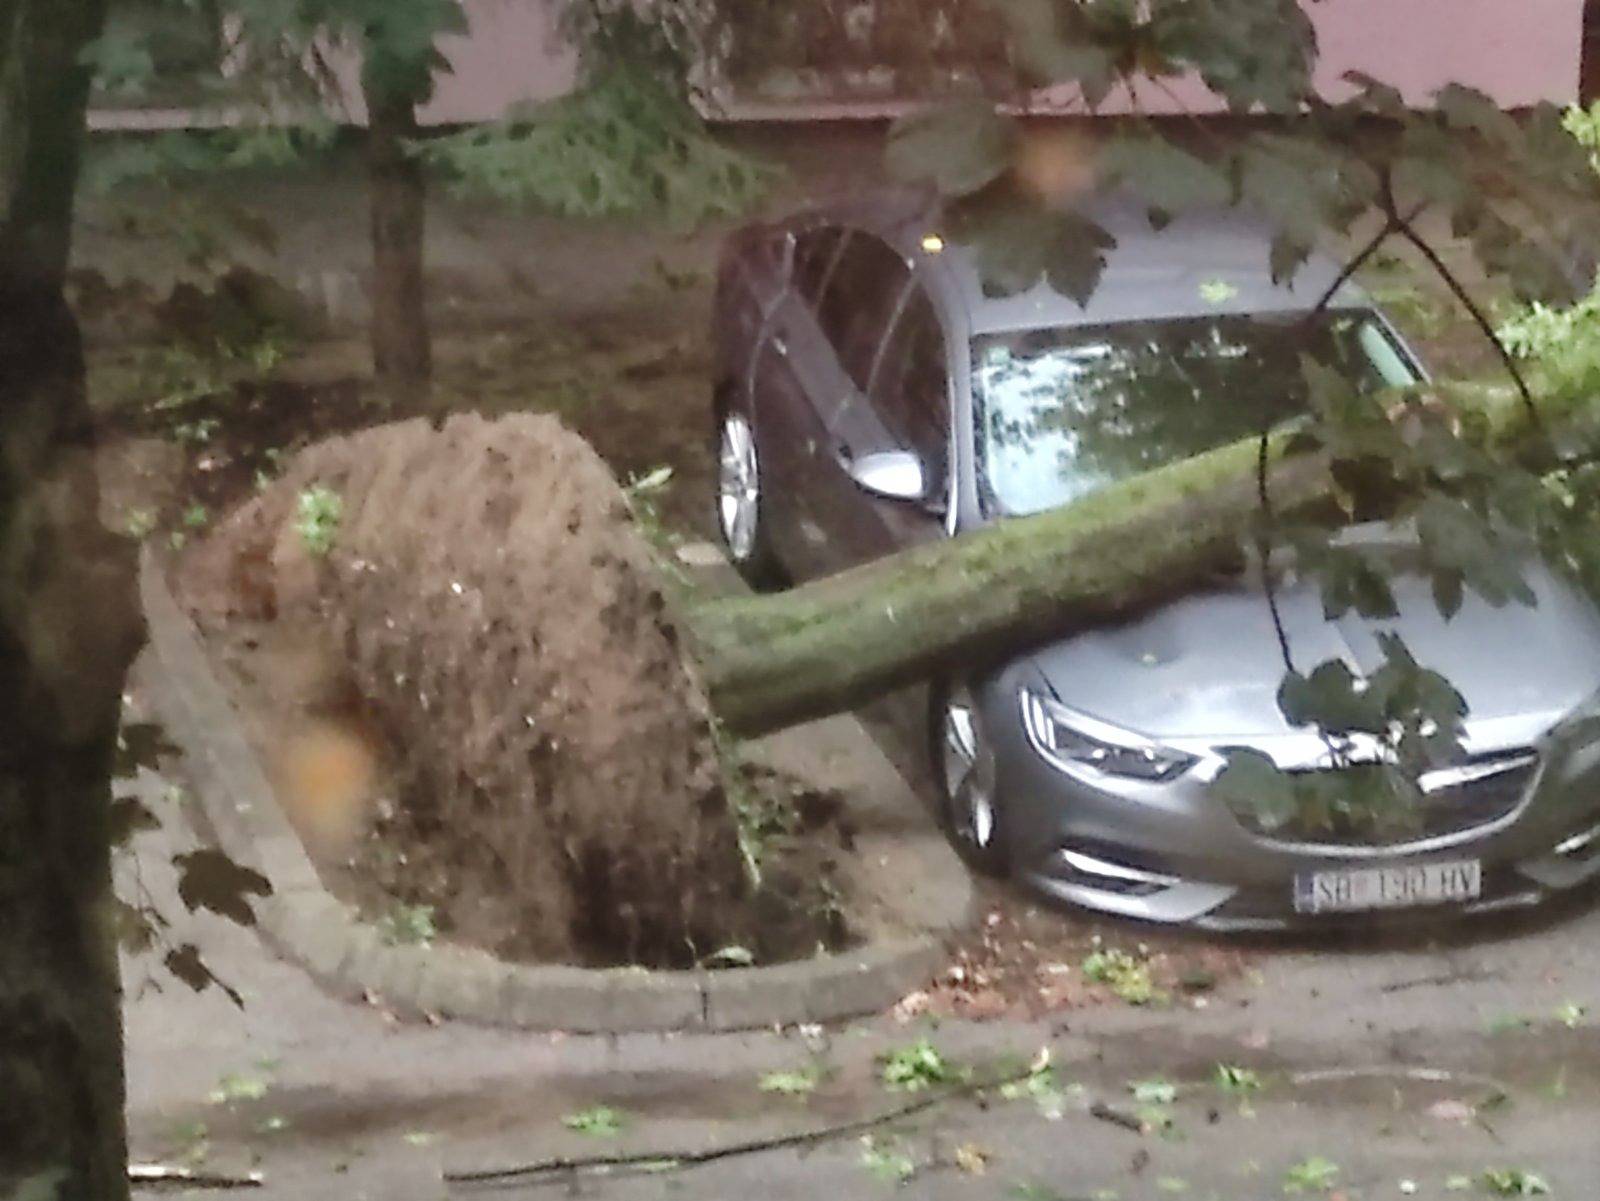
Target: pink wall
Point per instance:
(511, 55)
(1519, 51)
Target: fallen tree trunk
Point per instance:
(772, 661)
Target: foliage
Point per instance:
(318, 512)
(623, 145)
(1126, 975)
(239, 1086)
(1409, 458)
(883, 1157)
(1561, 342)
(1514, 1182)
(599, 1121)
(1154, 1092)
(408, 925)
(1041, 1086)
(798, 1083)
(1314, 1175)
(1234, 1079)
(208, 879)
(917, 1067)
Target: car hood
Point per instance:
(1208, 666)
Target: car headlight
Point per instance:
(1075, 743)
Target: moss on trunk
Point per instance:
(771, 661)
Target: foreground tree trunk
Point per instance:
(402, 355)
(67, 632)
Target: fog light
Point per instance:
(1578, 843)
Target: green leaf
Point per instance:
(141, 745)
(1252, 784)
(130, 816)
(1018, 242)
(1456, 539)
(185, 963)
(917, 1067)
(959, 148)
(1049, 46)
(1331, 698)
(599, 1121)
(1467, 108)
(1314, 1175)
(1165, 176)
(1154, 1092)
(792, 1084)
(1306, 187)
(208, 879)
(1255, 54)
(1514, 1182)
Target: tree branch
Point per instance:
(558, 1165)
(1461, 294)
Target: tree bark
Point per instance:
(772, 661)
(68, 629)
(402, 354)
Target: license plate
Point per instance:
(1356, 889)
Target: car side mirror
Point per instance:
(891, 474)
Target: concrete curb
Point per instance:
(310, 926)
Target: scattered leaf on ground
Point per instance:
(1314, 1175)
(1154, 1092)
(972, 1159)
(1232, 1079)
(238, 1086)
(882, 1156)
(599, 1121)
(792, 1084)
(919, 1066)
(1514, 1182)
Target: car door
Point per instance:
(783, 410)
(850, 320)
(909, 397)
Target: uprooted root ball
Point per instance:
(505, 626)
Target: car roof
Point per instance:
(1149, 274)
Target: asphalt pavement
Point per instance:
(1403, 1070)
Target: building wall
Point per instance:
(1519, 51)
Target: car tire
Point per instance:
(740, 500)
(963, 771)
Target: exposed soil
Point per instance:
(1029, 960)
(476, 701)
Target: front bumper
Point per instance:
(1170, 853)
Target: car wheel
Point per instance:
(964, 775)
(741, 501)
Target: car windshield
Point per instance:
(1062, 412)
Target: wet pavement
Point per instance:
(1411, 1067)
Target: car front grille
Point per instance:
(1457, 800)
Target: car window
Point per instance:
(1062, 412)
(815, 253)
(858, 302)
(910, 387)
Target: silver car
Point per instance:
(872, 394)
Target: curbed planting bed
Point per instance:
(922, 895)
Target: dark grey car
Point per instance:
(871, 396)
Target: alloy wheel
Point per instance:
(968, 772)
(738, 486)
